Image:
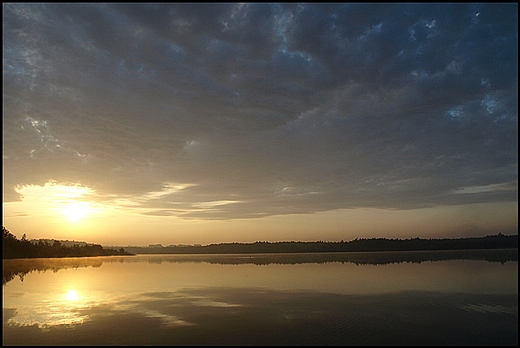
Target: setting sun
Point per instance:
(76, 211)
(68, 207)
(71, 295)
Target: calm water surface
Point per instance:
(310, 299)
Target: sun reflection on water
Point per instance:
(63, 309)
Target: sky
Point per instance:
(137, 124)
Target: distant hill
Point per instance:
(498, 241)
(14, 248)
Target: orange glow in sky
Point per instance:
(72, 213)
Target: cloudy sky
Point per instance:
(207, 123)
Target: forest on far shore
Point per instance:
(14, 248)
(498, 241)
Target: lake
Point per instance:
(392, 298)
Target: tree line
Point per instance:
(498, 241)
(13, 248)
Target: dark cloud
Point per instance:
(277, 108)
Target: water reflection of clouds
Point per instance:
(218, 315)
(148, 307)
(164, 305)
(133, 297)
(54, 309)
(49, 307)
(71, 308)
(482, 308)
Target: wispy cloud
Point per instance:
(486, 188)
